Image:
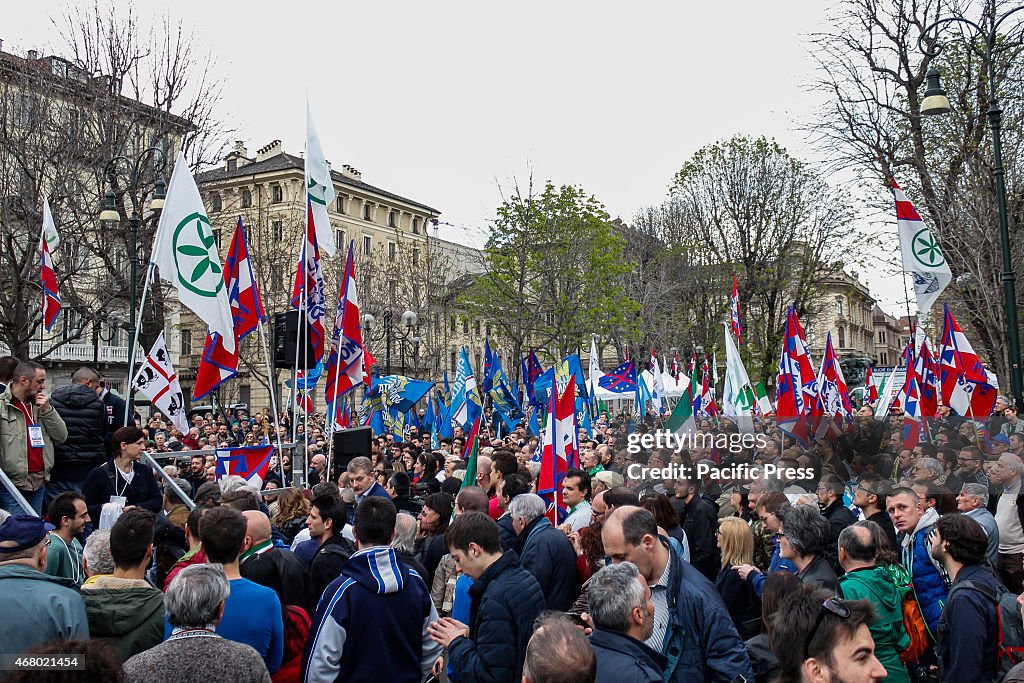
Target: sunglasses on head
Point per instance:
(833, 606)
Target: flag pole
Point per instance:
(130, 384)
(332, 406)
(272, 382)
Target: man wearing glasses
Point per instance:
(870, 496)
(969, 467)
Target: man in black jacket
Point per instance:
(623, 616)
(327, 515)
(830, 501)
(277, 569)
(699, 520)
(506, 601)
(546, 552)
(83, 412)
(115, 409)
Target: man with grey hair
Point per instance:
(623, 616)
(1008, 509)
(973, 502)
(404, 543)
(175, 509)
(545, 551)
(928, 469)
(96, 558)
(363, 483)
(558, 652)
(194, 652)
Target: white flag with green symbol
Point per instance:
(319, 186)
(922, 257)
(185, 251)
(49, 229)
(737, 395)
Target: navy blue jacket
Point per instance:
(377, 605)
(701, 643)
(507, 533)
(622, 658)
(115, 408)
(548, 554)
(968, 628)
(506, 600)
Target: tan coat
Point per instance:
(14, 439)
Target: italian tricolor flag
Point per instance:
(681, 421)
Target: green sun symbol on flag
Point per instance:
(926, 249)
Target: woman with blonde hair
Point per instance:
(292, 511)
(736, 542)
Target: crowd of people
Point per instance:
(409, 563)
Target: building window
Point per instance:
(340, 204)
(476, 327)
(883, 358)
(842, 337)
(488, 328)
(277, 227)
(416, 226)
(232, 164)
(367, 245)
(465, 326)
(839, 306)
(215, 203)
(392, 249)
(453, 324)
(391, 219)
(339, 238)
(415, 257)
(366, 212)
(453, 359)
(29, 110)
(246, 199)
(276, 194)
(245, 394)
(186, 342)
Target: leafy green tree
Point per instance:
(553, 272)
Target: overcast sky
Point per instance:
(451, 103)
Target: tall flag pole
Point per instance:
(319, 186)
(734, 312)
(48, 241)
(922, 257)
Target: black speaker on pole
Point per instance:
(348, 444)
(286, 342)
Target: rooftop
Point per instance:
(285, 161)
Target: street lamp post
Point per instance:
(387, 333)
(936, 102)
(129, 173)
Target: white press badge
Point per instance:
(35, 436)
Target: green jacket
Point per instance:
(131, 618)
(14, 439)
(876, 585)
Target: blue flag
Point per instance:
(621, 380)
(489, 359)
(466, 404)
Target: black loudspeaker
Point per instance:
(286, 342)
(348, 444)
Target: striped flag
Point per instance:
(734, 311)
(217, 364)
(308, 292)
(48, 276)
(346, 365)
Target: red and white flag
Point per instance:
(560, 449)
(345, 366)
(734, 311)
(966, 386)
(48, 276)
(217, 364)
(157, 381)
(308, 293)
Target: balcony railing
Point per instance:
(83, 353)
